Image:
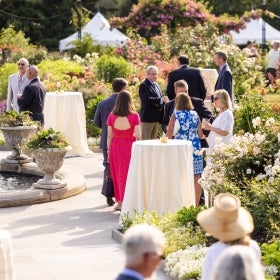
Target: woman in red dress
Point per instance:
(123, 129)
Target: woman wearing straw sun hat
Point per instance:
(228, 222)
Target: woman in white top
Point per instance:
(273, 56)
(231, 224)
(222, 127)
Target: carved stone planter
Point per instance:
(14, 137)
(49, 161)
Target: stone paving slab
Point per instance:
(70, 238)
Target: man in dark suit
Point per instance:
(181, 86)
(33, 97)
(151, 111)
(103, 110)
(143, 245)
(191, 75)
(224, 80)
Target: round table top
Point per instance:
(157, 142)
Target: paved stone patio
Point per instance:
(67, 239)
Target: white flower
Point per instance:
(256, 122)
(183, 264)
(248, 171)
(269, 122)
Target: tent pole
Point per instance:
(263, 6)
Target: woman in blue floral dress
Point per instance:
(189, 129)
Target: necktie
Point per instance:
(156, 89)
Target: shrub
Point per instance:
(5, 71)
(271, 255)
(251, 106)
(109, 67)
(177, 236)
(92, 130)
(250, 169)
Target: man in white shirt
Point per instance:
(16, 84)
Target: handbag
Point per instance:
(176, 127)
(108, 186)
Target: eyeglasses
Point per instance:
(21, 64)
(155, 254)
(216, 98)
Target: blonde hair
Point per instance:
(223, 95)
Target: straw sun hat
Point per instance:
(226, 220)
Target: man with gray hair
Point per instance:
(143, 246)
(152, 101)
(33, 97)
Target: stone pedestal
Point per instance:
(49, 161)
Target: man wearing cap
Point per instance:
(143, 246)
(228, 222)
(16, 84)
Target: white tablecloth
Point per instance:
(160, 177)
(210, 77)
(65, 112)
(6, 259)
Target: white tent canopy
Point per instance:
(99, 29)
(253, 32)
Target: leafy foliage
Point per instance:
(252, 105)
(112, 67)
(13, 118)
(46, 139)
(250, 169)
(179, 228)
(271, 254)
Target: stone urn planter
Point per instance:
(15, 137)
(49, 161)
(49, 148)
(16, 127)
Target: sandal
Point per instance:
(118, 207)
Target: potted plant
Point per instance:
(94, 144)
(49, 148)
(16, 127)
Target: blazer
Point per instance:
(13, 89)
(224, 80)
(192, 76)
(33, 100)
(104, 108)
(199, 107)
(151, 108)
(126, 277)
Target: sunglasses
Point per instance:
(154, 253)
(21, 64)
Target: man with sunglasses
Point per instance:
(143, 246)
(33, 97)
(16, 84)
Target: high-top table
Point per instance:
(6, 260)
(65, 112)
(160, 177)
